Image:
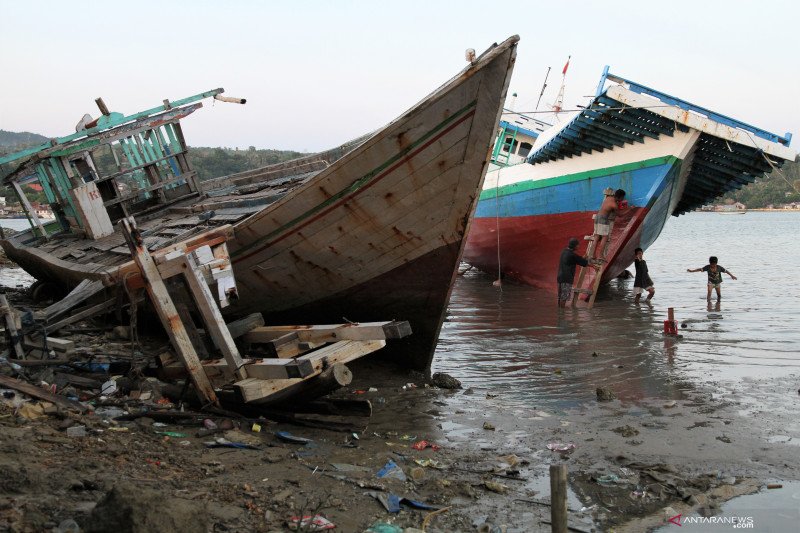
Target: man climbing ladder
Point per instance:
(599, 242)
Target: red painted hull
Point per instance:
(530, 247)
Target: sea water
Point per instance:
(515, 339)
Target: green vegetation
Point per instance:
(778, 187)
(19, 140)
(214, 162)
(774, 189)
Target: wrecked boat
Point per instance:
(669, 155)
(369, 231)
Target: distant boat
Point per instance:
(734, 209)
(669, 155)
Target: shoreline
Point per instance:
(491, 468)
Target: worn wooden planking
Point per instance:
(41, 394)
(64, 346)
(215, 325)
(341, 352)
(331, 332)
(82, 292)
(237, 328)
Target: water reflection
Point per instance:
(514, 340)
(518, 342)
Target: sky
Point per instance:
(319, 73)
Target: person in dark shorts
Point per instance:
(566, 271)
(715, 271)
(642, 282)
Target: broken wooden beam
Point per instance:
(11, 326)
(237, 328)
(333, 332)
(36, 392)
(63, 346)
(327, 381)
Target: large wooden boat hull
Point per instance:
(376, 235)
(670, 156)
(536, 217)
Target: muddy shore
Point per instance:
(633, 465)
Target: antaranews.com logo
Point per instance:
(736, 522)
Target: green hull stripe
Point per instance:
(523, 186)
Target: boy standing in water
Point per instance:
(642, 282)
(715, 272)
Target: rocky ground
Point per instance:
(631, 465)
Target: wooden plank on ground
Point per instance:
(237, 328)
(255, 390)
(36, 392)
(64, 346)
(85, 312)
(82, 292)
(333, 332)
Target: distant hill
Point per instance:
(20, 139)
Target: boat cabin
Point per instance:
(111, 167)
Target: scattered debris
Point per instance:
(604, 394)
(445, 381)
(626, 431)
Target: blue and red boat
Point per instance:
(670, 156)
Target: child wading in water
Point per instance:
(642, 282)
(715, 272)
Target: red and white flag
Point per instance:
(564, 72)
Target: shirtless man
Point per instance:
(608, 210)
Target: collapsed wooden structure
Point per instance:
(301, 362)
(370, 230)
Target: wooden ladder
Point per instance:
(577, 289)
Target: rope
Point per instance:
(430, 516)
(772, 165)
(497, 228)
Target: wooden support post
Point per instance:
(212, 317)
(29, 210)
(165, 308)
(11, 327)
(558, 498)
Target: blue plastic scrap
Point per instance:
(391, 470)
(288, 437)
(392, 502)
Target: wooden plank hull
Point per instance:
(378, 235)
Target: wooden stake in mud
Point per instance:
(167, 312)
(11, 327)
(558, 498)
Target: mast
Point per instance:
(559, 104)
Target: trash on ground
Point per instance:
(309, 523)
(421, 445)
(561, 447)
(391, 470)
(225, 443)
(285, 436)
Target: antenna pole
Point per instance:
(544, 86)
